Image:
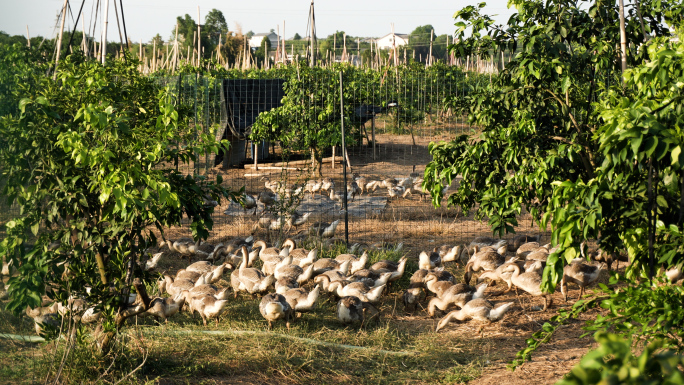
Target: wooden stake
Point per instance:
(175, 47)
(432, 34)
(59, 41)
(105, 22)
(28, 37)
(199, 37)
(154, 55)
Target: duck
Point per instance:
(478, 309)
(531, 283)
(325, 264)
(521, 239)
(357, 263)
(429, 261)
(324, 229)
(209, 307)
(294, 272)
(351, 309)
(581, 274)
(356, 289)
(273, 307)
(163, 308)
(302, 301)
(456, 295)
(486, 260)
(249, 279)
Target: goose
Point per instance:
(249, 202)
(389, 182)
(357, 263)
(202, 267)
(416, 188)
(324, 229)
(386, 246)
(527, 248)
(208, 289)
(327, 277)
(150, 264)
(302, 301)
(268, 198)
(173, 287)
(541, 254)
(304, 257)
(395, 192)
(163, 308)
(388, 267)
(249, 279)
(327, 184)
(284, 284)
(371, 278)
(335, 197)
(352, 309)
(294, 272)
(412, 297)
(581, 274)
(486, 260)
(189, 275)
(313, 186)
(296, 219)
(271, 265)
(361, 182)
(373, 185)
(186, 247)
(481, 242)
(449, 253)
(456, 295)
(356, 289)
(674, 275)
(209, 307)
(531, 283)
(273, 307)
(521, 239)
(326, 264)
(269, 252)
(353, 189)
(46, 321)
(478, 309)
(501, 273)
(429, 261)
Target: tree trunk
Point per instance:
(141, 304)
(316, 163)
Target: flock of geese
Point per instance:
(290, 281)
(276, 191)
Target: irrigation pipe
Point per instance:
(239, 332)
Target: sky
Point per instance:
(146, 18)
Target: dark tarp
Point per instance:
(243, 100)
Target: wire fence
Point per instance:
(391, 115)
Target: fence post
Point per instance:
(344, 167)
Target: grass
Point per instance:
(394, 349)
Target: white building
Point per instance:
(255, 41)
(386, 42)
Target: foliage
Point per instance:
(419, 41)
(215, 25)
(88, 163)
(614, 363)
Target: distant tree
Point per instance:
(263, 49)
(297, 37)
(157, 39)
(249, 34)
(419, 40)
(335, 41)
(272, 30)
(215, 25)
(187, 28)
(231, 46)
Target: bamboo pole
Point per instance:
(105, 23)
(59, 41)
(28, 37)
(623, 39)
(175, 48)
(154, 55)
(199, 37)
(432, 34)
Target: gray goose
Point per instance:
(477, 309)
(456, 295)
(429, 261)
(521, 239)
(273, 307)
(294, 272)
(163, 308)
(352, 309)
(249, 279)
(208, 307)
(486, 260)
(581, 274)
(302, 301)
(357, 263)
(531, 283)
